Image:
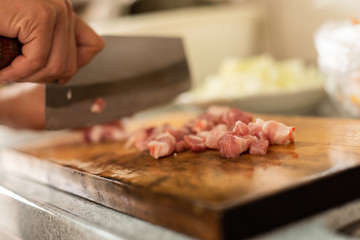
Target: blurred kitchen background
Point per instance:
(215, 31)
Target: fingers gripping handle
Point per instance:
(10, 48)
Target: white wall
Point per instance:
(283, 28)
(291, 24)
(210, 33)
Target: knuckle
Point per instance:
(56, 9)
(63, 7)
(45, 12)
(57, 70)
(68, 5)
(38, 63)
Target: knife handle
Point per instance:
(10, 48)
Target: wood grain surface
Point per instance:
(203, 194)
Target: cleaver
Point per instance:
(131, 74)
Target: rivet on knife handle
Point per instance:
(10, 48)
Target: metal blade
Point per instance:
(130, 74)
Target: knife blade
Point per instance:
(131, 74)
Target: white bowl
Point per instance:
(299, 102)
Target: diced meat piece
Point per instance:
(213, 114)
(232, 146)
(197, 144)
(112, 133)
(209, 118)
(255, 127)
(240, 129)
(156, 131)
(181, 146)
(217, 111)
(180, 133)
(159, 149)
(203, 134)
(92, 134)
(103, 133)
(202, 124)
(140, 139)
(212, 139)
(278, 133)
(233, 115)
(189, 125)
(259, 121)
(98, 105)
(163, 145)
(261, 135)
(259, 147)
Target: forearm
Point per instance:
(22, 106)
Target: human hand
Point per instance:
(56, 42)
(23, 106)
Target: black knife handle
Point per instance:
(10, 48)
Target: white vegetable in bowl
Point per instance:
(256, 75)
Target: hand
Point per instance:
(23, 106)
(56, 43)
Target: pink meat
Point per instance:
(240, 129)
(113, 131)
(98, 105)
(261, 136)
(212, 139)
(141, 139)
(197, 144)
(255, 127)
(278, 133)
(180, 133)
(228, 130)
(259, 147)
(163, 145)
(181, 146)
(217, 111)
(203, 135)
(189, 125)
(211, 119)
(202, 124)
(233, 115)
(232, 146)
(92, 134)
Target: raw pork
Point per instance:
(228, 130)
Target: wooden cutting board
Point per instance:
(205, 195)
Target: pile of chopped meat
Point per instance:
(228, 130)
(104, 133)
